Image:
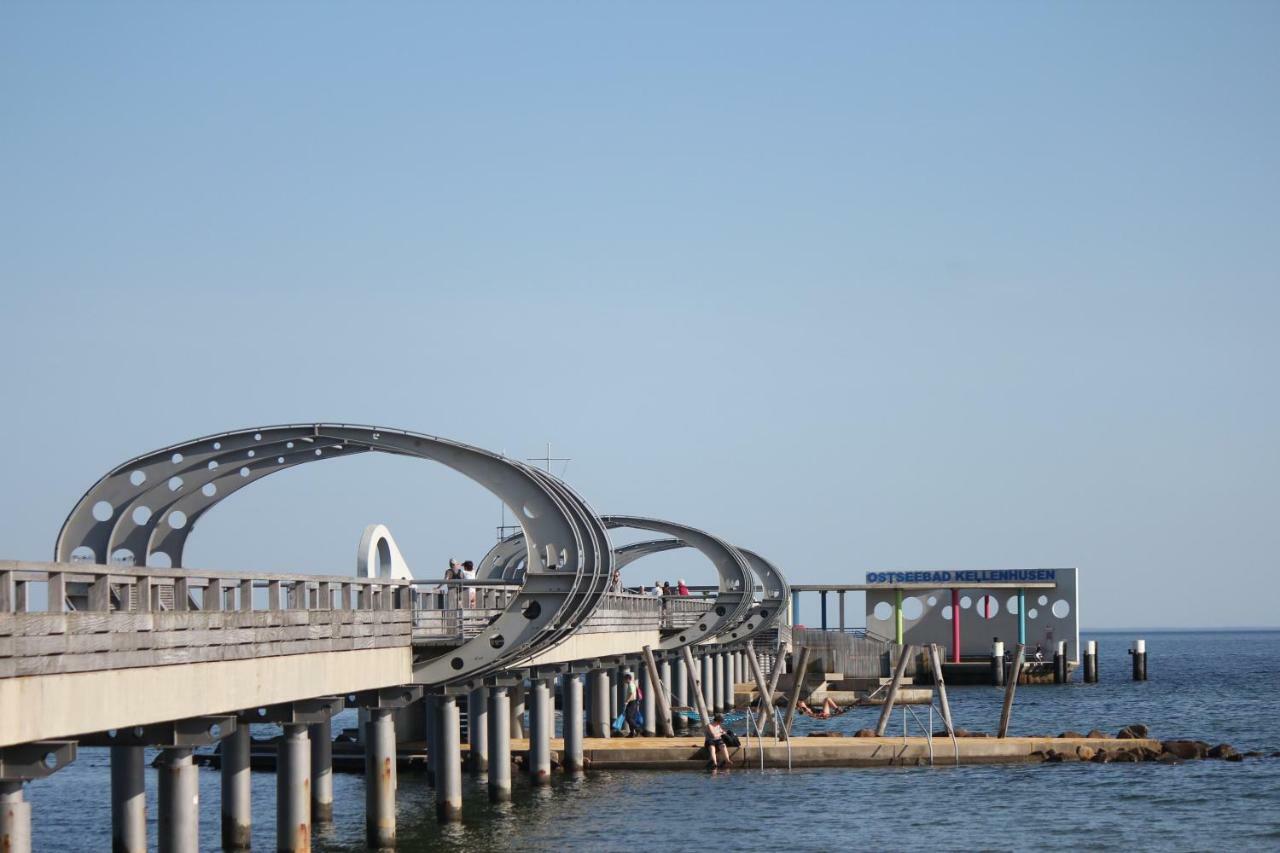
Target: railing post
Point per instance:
(57, 586)
(297, 595)
(181, 594)
(8, 594)
(246, 595)
(213, 595)
(273, 595)
(100, 594)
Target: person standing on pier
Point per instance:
(631, 708)
(469, 573)
(682, 588)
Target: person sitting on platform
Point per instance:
(714, 742)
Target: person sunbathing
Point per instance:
(829, 709)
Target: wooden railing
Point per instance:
(130, 617)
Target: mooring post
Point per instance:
(997, 664)
(178, 829)
(320, 736)
(1139, 652)
(128, 800)
(293, 790)
(449, 771)
(380, 778)
(680, 681)
(1060, 662)
(539, 732)
(237, 809)
(499, 745)
(478, 730)
(699, 692)
(904, 656)
(571, 716)
(802, 668)
(1018, 656)
(15, 818)
(598, 682)
(1091, 662)
(935, 660)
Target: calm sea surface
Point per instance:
(1219, 687)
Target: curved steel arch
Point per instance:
(734, 597)
(567, 555)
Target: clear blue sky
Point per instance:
(858, 286)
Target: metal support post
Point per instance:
(15, 818)
(449, 771)
(540, 725)
(293, 790)
(380, 778)
(128, 799)
(179, 824)
(955, 624)
(321, 737)
(499, 745)
(478, 730)
(571, 715)
(237, 814)
(1018, 656)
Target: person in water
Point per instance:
(829, 709)
(714, 742)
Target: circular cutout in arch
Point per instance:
(137, 478)
(946, 612)
(122, 557)
(102, 511)
(1012, 605)
(84, 554)
(965, 602)
(912, 608)
(987, 607)
(141, 515)
(883, 611)
(159, 560)
(1031, 614)
(1061, 609)
(177, 519)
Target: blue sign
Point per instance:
(965, 576)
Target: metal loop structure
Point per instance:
(143, 511)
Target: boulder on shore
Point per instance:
(1137, 731)
(1224, 751)
(1097, 734)
(1085, 753)
(1187, 750)
(865, 733)
(1070, 734)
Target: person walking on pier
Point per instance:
(469, 573)
(682, 588)
(631, 708)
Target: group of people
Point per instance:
(463, 571)
(660, 589)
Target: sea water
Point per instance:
(1213, 686)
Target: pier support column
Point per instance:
(431, 733)
(237, 815)
(897, 616)
(293, 790)
(598, 681)
(478, 730)
(499, 745)
(649, 705)
(380, 778)
(1091, 662)
(822, 600)
(708, 684)
(664, 676)
(997, 664)
(795, 607)
(540, 725)
(680, 683)
(517, 712)
(15, 818)
(955, 624)
(717, 662)
(321, 737)
(449, 770)
(615, 701)
(128, 800)
(840, 598)
(1139, 652)
(179, 824)
(1022, 616)
(571, 716)
(1060, 663)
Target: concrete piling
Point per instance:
(571, 714)
(1060, 662)
(237, 815)
(598, 681)
(128, 800)
(517, 711)
(1139, 652)
(648, 707)
(431, 718)
(320, 736)
(178, 828)
(665, 678)
(1019, 655)
(15, 818)
(708, 685)
(997, 664)
(615, 690)
(293, 790)
(680, 682)
(1091, 662)
(380, 779)
(499, 745)
(449, 770)
(478, 730)
(540, 725)
(718, 674)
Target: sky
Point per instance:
(857, 286)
